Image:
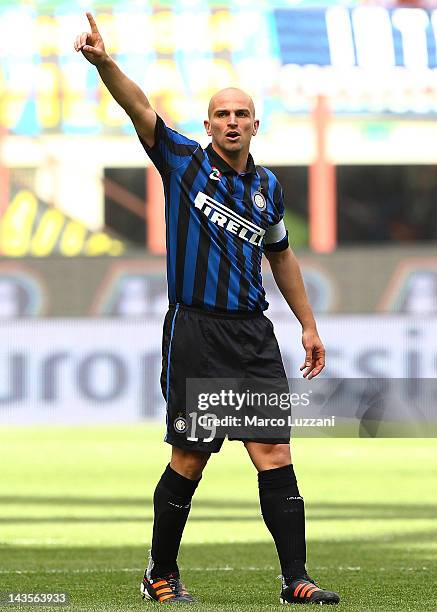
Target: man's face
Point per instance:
(231, 121)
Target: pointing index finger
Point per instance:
(92, 23)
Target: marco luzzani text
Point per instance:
(209, 421)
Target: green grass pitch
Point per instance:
(75, 515)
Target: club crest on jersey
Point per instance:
(259, 200)
(180, 424)
(215, 174)
(229, 220)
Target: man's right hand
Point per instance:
(124, 91)
(91, 45)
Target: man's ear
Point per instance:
(207, 125)
(255, 127)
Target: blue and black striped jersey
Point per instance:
(218, 223)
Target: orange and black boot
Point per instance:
(169, 589)
(304, 590)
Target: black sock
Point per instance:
(172, 503)
(282, 508)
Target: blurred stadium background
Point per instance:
(347, 97)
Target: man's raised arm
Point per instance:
(124, 91)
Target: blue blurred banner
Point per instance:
(366, 37)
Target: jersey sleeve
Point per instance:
(276, 236)
(171, 149)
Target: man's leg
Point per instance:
(172, 503)
(283, 511)
(282, 506)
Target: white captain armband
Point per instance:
(276, 237)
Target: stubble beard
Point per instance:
(232, 149)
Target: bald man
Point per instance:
(222, 213)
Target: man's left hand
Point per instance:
(314, 354)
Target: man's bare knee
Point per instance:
(268, 456)
(188, 463)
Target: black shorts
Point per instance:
(202, 344)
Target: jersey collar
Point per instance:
(219, 163)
